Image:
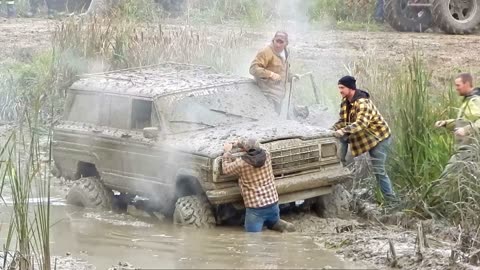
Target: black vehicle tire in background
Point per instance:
(407, 19)
(457, 17)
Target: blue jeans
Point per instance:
(378, 157)
(256, 218)
(343, 150)
(379, 10)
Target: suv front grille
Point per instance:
(294, 157)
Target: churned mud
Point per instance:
(70, 263)
(66, 262)
(385, 246)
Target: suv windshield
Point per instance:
(214, 107)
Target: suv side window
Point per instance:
(118, 112)
(143, 114)
(85, 108)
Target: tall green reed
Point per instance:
(24, 170)
(407, 98)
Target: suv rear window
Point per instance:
(141, 114)
(85, 108)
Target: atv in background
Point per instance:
(451, 16)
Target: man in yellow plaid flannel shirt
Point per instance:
(363, 127)
(257, 185)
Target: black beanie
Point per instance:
(349, 82)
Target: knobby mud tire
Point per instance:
(194, 211)
(449, 24)
(89, 192)
(397, 18)
(334, 205)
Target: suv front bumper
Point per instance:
(291, 187)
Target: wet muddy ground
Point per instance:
(369, 241)
(103, 239)
(85, 239)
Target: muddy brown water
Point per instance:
(106, 238)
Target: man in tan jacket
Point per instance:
(271, 69)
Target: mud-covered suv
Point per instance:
(158, 132)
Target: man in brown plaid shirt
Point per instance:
(363, 127)
(257, 185)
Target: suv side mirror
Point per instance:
(151, 133)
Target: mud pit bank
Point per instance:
(368, 242)
(64, 263)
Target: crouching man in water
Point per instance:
(363, 127)
(256, 180)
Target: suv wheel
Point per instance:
(334, 205)
(194, 210)
(89, 192)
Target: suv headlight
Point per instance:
(328, 150)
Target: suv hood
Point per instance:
(209, 142)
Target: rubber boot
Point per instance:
(11, 12)
(283, 226)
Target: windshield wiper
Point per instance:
(191, 122)
(232, 114)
